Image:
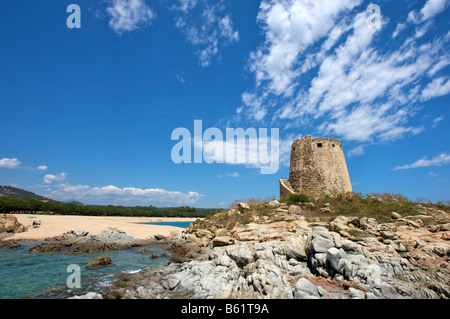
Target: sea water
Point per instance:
(44, 275)
(175, 224)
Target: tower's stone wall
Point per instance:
(317, 167)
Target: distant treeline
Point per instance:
(11, 205)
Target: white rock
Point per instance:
(89, 295)
(240, 253)
(304, 289)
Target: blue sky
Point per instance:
(87, 113)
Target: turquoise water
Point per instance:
(44, 275)
(175, 224)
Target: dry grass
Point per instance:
(378, 206)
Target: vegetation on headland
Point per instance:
(10, 191)
(377, 206)
(12, 205)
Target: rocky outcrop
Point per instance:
(346, 257)
(11, 245)
(79, 241)
(10, 224)
(99, 262)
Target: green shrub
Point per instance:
(294, 199)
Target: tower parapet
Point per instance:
(317, 167)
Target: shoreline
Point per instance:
(55, 225)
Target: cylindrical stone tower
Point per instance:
(317, 167)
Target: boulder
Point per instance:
(159, 237)
(10, 224)
(114, 235)
(242, 207)
(79, 232)
(395, 215)
(220, 232)
(45, 247)
(441, 249)
(240, 253)
(99, 262)
(321, 240)
(89, 295)
(11, 245)
(223, 241)
(305, 289)
(336, 259)
(273, 204)
(294, 210)
(426, 220)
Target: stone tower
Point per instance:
(317, 167)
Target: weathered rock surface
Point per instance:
(89, 295)
(347, 257)
(79, 241)
(99, 262)
(10, 224)
(11, 245)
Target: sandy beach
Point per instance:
(54, 225)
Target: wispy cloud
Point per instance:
(322, 70)
(439, 160)
(437, 120)
(9, 163)
(42, 167)
(234, 174)
(129, 15)
(439, 87)
(213, 29)
(432, 8)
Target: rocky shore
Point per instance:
(79, 241)
(281, 254)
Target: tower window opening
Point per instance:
(332, 144)
(319, 145)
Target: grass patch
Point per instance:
(378, 206)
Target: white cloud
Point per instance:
(234, 174)
(49, 178)
(325, 72)
(226, 29)
(432, 8)
(42, 167)
(356, 151)
(439, 87)
(290, 28)
(208, 31)
(185, 5)
(439, 160)
(437, 120)
(129, 15)
(9, 163)
(443, 62)
(399, 29)
(122, 196)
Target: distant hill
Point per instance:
(10, 191)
